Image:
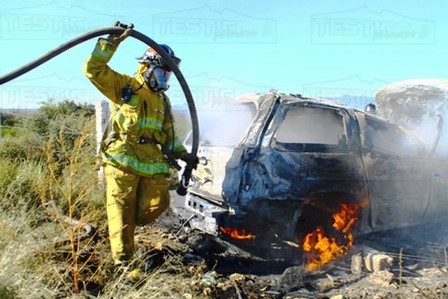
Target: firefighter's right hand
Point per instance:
(190, 159)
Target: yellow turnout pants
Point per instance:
(131, 200)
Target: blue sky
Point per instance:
(316, 48)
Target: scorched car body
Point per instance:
(300, 158)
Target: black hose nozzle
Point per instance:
(124, 26)
(185, 180)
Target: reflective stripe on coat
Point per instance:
(147, 114)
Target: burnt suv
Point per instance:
(302, 162)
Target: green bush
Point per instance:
(7, 124)
(7, 131)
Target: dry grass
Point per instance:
(23, 269)
(31, 266)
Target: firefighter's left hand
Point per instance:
(117, 39)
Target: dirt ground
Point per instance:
(417, 266)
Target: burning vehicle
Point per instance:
(308, 175)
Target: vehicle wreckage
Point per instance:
(308, 175)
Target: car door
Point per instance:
(397, 172)
(438, 204)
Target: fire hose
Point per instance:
(117, 30)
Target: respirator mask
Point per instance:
(158, 72)
(157, 78)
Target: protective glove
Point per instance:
(189, 159)
(117, 39)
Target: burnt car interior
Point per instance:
(310, 129)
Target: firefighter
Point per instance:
(139, 137)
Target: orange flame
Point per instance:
(238, 234)
(322, 249)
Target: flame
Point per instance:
(238, 234)
(321, 248)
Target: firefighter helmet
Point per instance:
(151, 57)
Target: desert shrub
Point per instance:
(42, 122)
(52, 108)
(68, 128)
(37, 123)
(27, 147)
(64, 145)
(8, 171)
(6, 293)
(22, 187)
(64, 119)
(72, 178)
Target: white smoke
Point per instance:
(226, 124)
